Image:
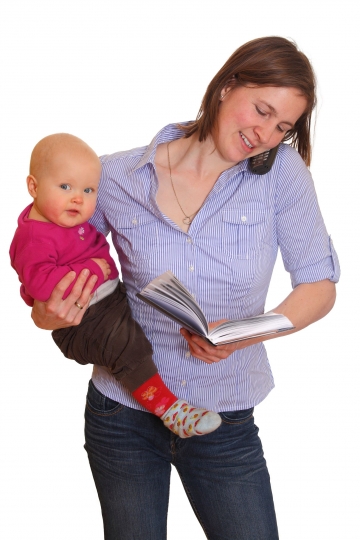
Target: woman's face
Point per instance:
(253, 119)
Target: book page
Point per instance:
(174, 299)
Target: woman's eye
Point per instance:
(262, 113)
(65, 186)
(88, 190)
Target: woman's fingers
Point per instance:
(58, 313)
(61, 287)
(202, 349)
(205, 351)
(213, 325)
(66, 310)
(198, 352)
(84, 300)
(81, 291)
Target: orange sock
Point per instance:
(154, 395)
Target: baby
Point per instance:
(53, 238)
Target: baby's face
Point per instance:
(66, 193)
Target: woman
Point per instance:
(189, 203)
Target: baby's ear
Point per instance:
(32, 185)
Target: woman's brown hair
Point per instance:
(269, 61)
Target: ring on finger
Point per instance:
(78, 305)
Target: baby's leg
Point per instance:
(177, 414)
(108, 336)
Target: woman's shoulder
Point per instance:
(140, 156)
(290, 157)
(291, 175)
(289, 165)
(130, 157)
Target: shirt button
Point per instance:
(134, 221)
(191, 268)
(243, 218)
(188, 354)
(183, 383)
(188, 240)
(193, 295)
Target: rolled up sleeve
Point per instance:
(306, 247)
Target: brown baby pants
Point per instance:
(108, 336)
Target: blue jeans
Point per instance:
(224, 473)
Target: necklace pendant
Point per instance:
(187, 220)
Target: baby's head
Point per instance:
(63, 180)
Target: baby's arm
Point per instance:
(105, 267)
(39, 272)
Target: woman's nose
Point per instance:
(264, 133)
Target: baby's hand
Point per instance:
(105, 267)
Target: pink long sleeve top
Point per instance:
(43, 253)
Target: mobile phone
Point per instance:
(262, 163)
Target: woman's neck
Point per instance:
(200, 160)
(187, 170)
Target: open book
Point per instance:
(168, 295)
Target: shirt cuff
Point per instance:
(328, 268)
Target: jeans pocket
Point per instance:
(237, 417)
(99, 404)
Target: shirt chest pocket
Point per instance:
(243, 232)
(137, 235)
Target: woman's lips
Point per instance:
(244, 145)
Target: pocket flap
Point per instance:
(131, 221)
(244, 216)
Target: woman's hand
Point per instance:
(306, 304)
(202, 349)
(58, 313)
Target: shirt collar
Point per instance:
(168, 133)
(172, 132)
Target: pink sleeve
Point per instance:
(39, 273)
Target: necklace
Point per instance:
(187, 220)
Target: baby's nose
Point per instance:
(77, 198)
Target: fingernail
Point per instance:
(86, 272)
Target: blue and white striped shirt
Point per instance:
(225, 260)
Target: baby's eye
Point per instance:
(279, 128)
(88, 190)
(65, 186)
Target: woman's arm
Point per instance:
(58, 313)
(306, 304)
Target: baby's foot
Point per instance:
(185, 420)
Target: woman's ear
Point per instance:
(224, 91)
(32, 185)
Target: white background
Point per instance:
(114, 73)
